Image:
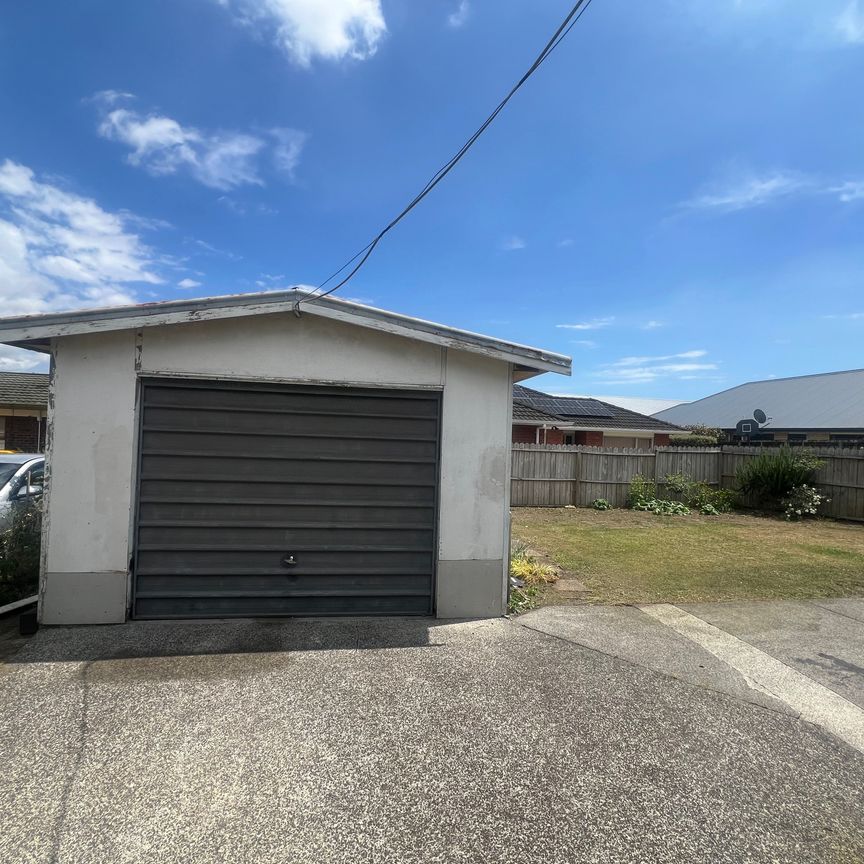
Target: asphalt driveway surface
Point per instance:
(398, 741)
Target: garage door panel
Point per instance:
(285, 537)
(284, 584)
(261, 423)
(297, 446)
(234, 479)
(294, 400)
(244, 607)
(242, 512)
(256, 562)
(287, 469)
(312, 494)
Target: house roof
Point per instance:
(527, 414)
(832, 400)
(583, 413)
(35, 331)
(28, 389)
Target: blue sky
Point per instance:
(676, 198)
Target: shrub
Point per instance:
(529, 570)
(699, 495)
(663, 507)
(680, 484)
(700, 436)
(773, 474)
(522, 598)
(19, 553)
(703, 496)
(641, 490)
(692, 441)
(803, 501)
(601, 504)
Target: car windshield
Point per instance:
(7, 471)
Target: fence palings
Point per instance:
(548, 475)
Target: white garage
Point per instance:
(273, 454)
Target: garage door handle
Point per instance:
(289, 561)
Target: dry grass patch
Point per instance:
(625, 556)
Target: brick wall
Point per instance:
(528, 435)
(524, 434)
(25, 434)
(589, 439)
(661, 439)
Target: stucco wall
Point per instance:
(86, 532)
(93, 444)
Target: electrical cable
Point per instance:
(560, 34)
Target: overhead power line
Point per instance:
(363, 255)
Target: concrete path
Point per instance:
(803, 658)
(399, 741)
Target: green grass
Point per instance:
(624, 556)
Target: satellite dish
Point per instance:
(760, 416)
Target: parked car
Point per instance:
(21, 479)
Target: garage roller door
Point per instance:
(285, 500)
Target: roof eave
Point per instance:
(34, 331)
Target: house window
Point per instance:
(746, 427)
(570, 438)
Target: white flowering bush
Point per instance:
(803, 501)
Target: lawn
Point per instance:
(624, 556)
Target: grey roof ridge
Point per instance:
(759, 381)
(25, 327)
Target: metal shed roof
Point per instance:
(35, 331)
(832, 400)
(26, 389)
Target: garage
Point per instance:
(285, 500)
(273, 454)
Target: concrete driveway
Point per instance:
(399, 741)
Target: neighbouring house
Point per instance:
(274, 454)
(539, 418)
(824, 408)
(23, 409)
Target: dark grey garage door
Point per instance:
(285, 500)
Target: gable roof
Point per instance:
(28, 389)
(832, 400)
(586, 413)
(35, 331)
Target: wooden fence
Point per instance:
(554, 476)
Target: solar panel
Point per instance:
(570, 407)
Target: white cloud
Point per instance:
(460, 16)
(60, 250)
(310, 29)
(564, 242)
(188, 284)
(19, 360)
(642, 370)
(750, 191)
(850, 190)
(850, 23)
(638, 361)
(109, 97)
(513, 243)
(849, 316)
(652, 325)
(161, 145)
(747, 191)
(286, 153)
(593, 324)
(585, 343)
